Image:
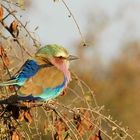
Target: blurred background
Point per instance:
(110, 64)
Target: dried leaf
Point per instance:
(60, 129)
(25, 115)
(4, 57)
(14, 28)
(15, 136)
(21, 116)
(81, 129)
(83, 122)
(86, 120)
(12, 89)
(14, 25)
(96, 137)
(28, 117)
(1, 12)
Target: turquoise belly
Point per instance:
(51, 93)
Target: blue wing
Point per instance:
(29, 69)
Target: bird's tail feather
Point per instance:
(8, 83)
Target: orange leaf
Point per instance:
(80, 129)
(94, 137)
(28, 117)
(1, 50)
(83, 122)
(13, 26)
(15, 136)
(60, 128)
(1, 12)
(11, 88)
(4, 56)
(21, 116)
(86, 120)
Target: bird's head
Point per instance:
(57, 55)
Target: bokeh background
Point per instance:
(110, 64)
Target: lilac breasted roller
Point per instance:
(44, 76)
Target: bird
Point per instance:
(44, 76)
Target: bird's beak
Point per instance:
(72, 57)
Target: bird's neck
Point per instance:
(64, 67)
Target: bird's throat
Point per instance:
(64, 67)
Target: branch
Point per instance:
(71, 15)
(33, 39)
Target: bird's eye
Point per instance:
(61, 57)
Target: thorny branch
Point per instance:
(15, 38)
(24, 26)
(77, 25)
(54, 106)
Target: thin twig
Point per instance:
(30, 36)
(77, 25)
(15, 38)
